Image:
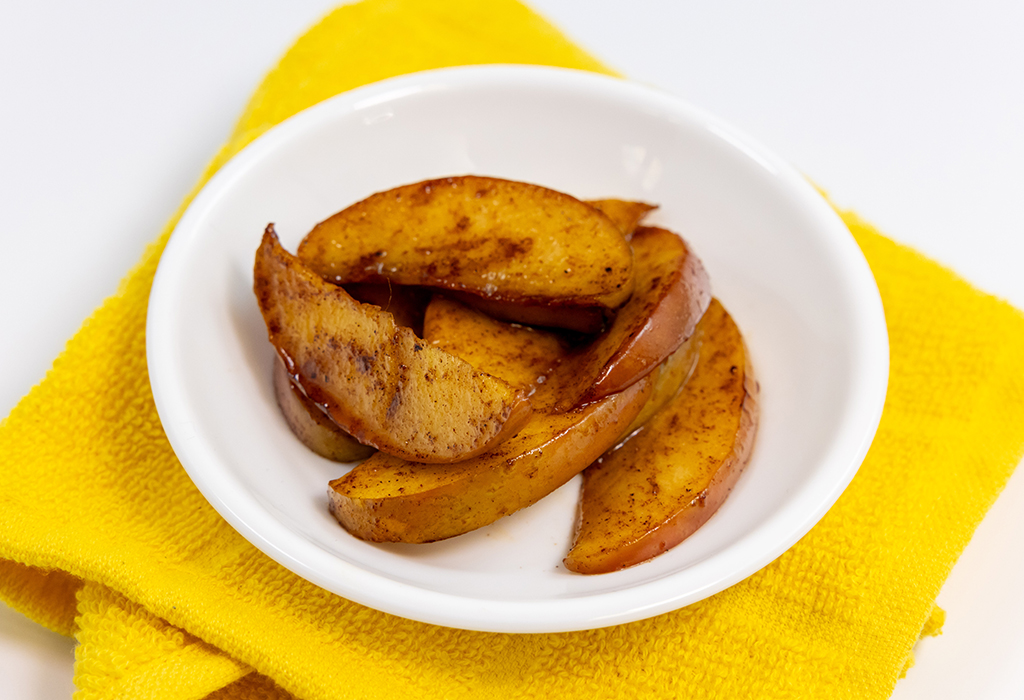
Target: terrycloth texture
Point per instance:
(172, 603)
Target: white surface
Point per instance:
(908, 112)
(779, 259)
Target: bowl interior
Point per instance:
(780, 261)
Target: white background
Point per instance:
(912, 113)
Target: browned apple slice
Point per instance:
(668, 478)
(389, 500)
(311, 425)
(496, 239)
(518, 354)
(386, 499)
(625, 214)
(379, 381)
(524, 356)
(672, 293)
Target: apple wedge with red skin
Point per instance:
(626, 215)
(668, 478)
(378, 381)
(514, 245)
(392, 500)
(671, 295)
(386, 499)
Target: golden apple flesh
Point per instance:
(669, 477)
(496, 239)
(378, 381)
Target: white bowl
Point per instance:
(779, 259)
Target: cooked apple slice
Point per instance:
(389, 500)
(668, 478)
(672, 293)
(524, 356)
(496, 239)
(311, 425)
(386, 499)
(379, 381)
(518, 354)
(625, 214)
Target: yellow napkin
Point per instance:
(104, 537)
